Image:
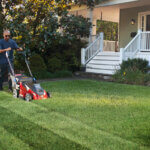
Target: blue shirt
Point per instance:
(6, 44)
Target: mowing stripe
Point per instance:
(37, 137)
(10, 142)
(67, 127)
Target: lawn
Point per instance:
(81, 115)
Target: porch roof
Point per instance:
(121, 4)
(116, 2)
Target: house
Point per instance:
(133, 17)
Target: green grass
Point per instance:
(81, 115)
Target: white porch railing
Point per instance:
(145, 41)
(141, 42)
(88, 53)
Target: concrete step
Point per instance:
(107, 67)
(100, 71)
(109, 53)
(101, 57)
(104, 62)
(95, 76)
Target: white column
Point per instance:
(121, 55)
(82, 56)
(91, 20)
(94, 27)
(139, 40)
(101, 41)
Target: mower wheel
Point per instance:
(15, 93)
(28, 97)
(48, 94)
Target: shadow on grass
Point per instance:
(34, 135)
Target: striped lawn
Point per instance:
(81, 115)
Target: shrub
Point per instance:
(54, 64)
(62, 74)
(19, 62)
(133, 71)
(42, 75)
(49, 75)
(135, 64)
(130, 77)
(37, 63)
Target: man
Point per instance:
(6, 45)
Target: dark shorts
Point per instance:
(5, 70)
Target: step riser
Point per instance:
(111, 58)
(108, 67)
(104, 62)
(109, 53)
(109, 72)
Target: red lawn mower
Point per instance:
(26, 87)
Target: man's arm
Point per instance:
(17, 47)
(4, 50)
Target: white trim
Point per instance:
(115, 2)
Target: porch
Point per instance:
(96, 60)
(105, 57)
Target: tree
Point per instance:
(35, 24)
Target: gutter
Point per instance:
(115, 2)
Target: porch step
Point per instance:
(100, 71)
(104, 63)
(108, 53)
(104, 66)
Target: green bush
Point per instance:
(135, 64)
(37, 63)
(133, 72)
(49, 75)
(19, 62)
(42, 75)
(130, 77)
(54, 64)
(62, 74)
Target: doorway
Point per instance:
(144, 21)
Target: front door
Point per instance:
(144, 26)
(144, 21)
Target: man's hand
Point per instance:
(8, 49)
(19, 49)
(5, 50)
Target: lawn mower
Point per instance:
(26, 87)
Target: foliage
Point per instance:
(19, 62)
(130, 77)
(45, 28)
(133, 71)
(37, 63)
(75, 26)
(50, 75)
(110, 30)
(54, 64)
(135, 64)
